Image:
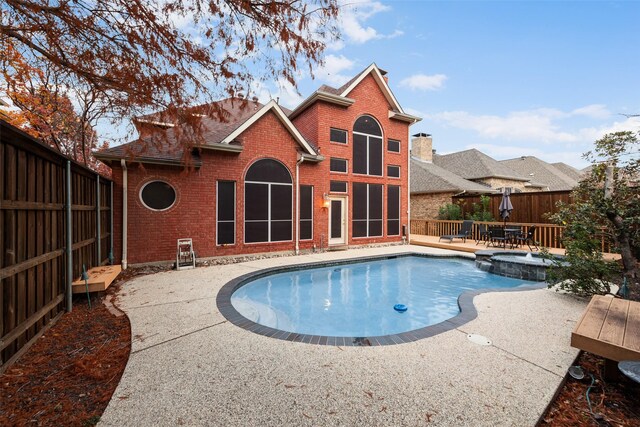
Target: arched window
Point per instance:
(367, 146)
(157, 195)
(268, 208)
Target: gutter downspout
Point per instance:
(408, 237)
(300, 160)
(124, 213)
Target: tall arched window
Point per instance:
(267, 202)
(367, 146)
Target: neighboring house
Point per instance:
(475, 166)
(433, 187)
(331, 173)
(568, 170)
(543, 172)
(436, 178)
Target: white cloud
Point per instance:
(282, 91)
(424, 82)
(521, 125)
(330, 71)
(594, 111)
(594, 133)
(352, 17)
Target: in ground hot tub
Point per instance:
(517, 264)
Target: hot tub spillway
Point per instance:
(517, 264)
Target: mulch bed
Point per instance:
(69, 375)
(613, 403)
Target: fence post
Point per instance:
(98, 228)
(69, 245)
(111, 258)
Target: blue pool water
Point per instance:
(357, 300)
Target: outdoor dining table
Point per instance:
(511, 234)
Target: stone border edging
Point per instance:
(467, 313)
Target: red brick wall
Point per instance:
(369, 99)
(152, 235)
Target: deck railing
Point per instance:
(547, 235)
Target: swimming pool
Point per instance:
(357, 299)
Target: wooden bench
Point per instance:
(99, 279)
(610, 328)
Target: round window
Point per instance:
(158, 195)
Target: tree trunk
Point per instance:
(629, 260)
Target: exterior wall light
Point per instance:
(325, 201)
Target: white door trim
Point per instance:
(344, 229)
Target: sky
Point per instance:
(510, 78)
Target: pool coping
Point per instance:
(467, 313)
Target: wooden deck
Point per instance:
(459, 245)
(99, 279)
(610, 327)
(471, 246)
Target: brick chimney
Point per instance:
(422, 147)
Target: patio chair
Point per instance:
(483, 233)
(498, 235)
(528, 238)
(465, 231)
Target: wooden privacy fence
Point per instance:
(527, 207)
(547, 235)
(35, 264)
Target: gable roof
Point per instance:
(430, 178)
(213, 133)
(340, 96)
(473, 164)
(568, 170)
(542, 172)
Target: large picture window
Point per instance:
(306, 212)
(367, 210)
(268, 203)
(393, 210)
(226, 213)
(367, 146)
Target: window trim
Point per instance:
(269, 220)
(175, 195)
(235, 206)
(346, 136)
(399, 145)
(369, 136)
(399, 211)
(346, 165)
(346, 187)
(312, 213)
(368, 219)
(399, 172)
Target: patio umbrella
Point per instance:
(505, 208)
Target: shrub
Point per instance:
(450, 211)
(481, 210)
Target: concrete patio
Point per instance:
(189, 366)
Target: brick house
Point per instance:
(332, 173)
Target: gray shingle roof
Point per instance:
(568, 170)
(473, 164)
(430, 178)
(542, 172)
